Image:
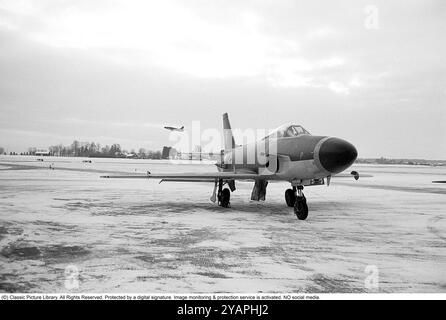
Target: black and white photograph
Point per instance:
(208, 149)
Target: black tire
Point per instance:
(290, 197)
(301, 208)
(225, 196)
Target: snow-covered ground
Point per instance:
(141, 236)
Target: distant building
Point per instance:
(169, 153)
(165, 154)
(42, 152)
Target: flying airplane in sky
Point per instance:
(181, 129)
(289, 153)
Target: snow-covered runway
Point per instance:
(141, 236)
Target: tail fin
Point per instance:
(227, 133)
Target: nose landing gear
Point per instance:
(297, 199)
(290, 197)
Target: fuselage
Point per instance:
(297, 158)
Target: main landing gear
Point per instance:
(295, 198)
(290, 197)
(223, 196)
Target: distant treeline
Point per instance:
(94, 149)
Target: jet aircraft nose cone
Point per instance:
(336, 155)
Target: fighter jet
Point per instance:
(174, 128)
(289, 153)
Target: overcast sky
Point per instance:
(371, 72)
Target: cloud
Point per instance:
(112, 123)
(120, 68)
(42, 140)
(338, 87)
(321, 33)
(167, 34)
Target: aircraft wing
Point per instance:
(193, 176)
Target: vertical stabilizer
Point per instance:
(227, 134)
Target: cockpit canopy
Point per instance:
(287, 131)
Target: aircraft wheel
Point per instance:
(301, 208)
(225, 196)
(290, 197)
